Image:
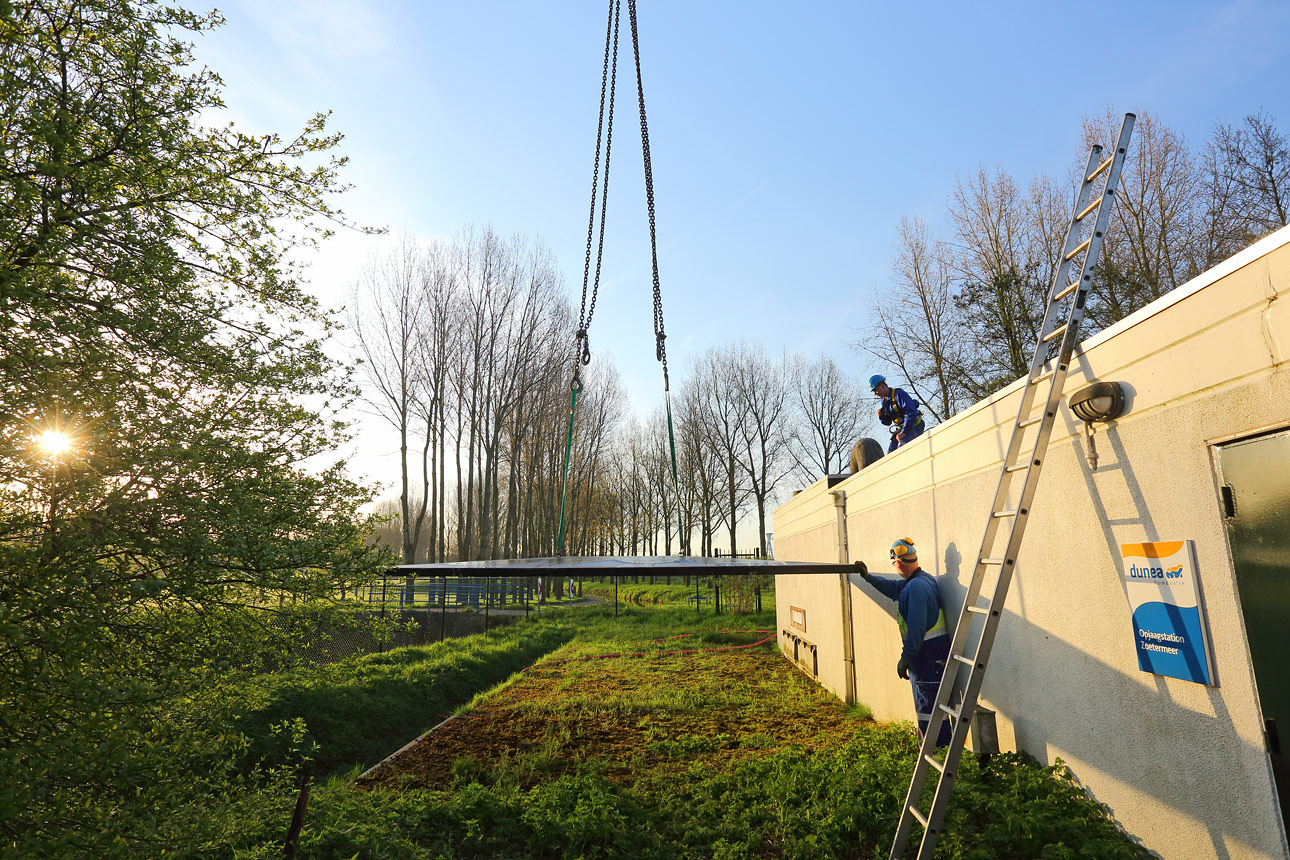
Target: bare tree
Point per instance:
(386, 314)
(702, 470)
(641, 511)
(1222, 229)
(718, 410)
(920, 327)
(1158, 219)
(1048, 210)
(599, 415)
(1256, 158)
(1001, 297)
(829, 414)
(438, 276)
(389, 527)
(657, 461)
(761, 386)
(468, 342)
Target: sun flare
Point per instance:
(55, 442)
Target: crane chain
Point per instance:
(608, 81)
(660, 337)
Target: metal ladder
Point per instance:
(1007, 521)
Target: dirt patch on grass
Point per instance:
(638, 718)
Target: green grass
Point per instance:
(694, 756)
(644, 594)
(357, 711)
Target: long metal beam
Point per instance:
(616, 565)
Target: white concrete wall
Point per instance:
(1182, 766)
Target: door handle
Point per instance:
(1229, 501)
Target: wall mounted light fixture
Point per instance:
(1101, 401)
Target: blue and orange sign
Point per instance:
(1168, 613)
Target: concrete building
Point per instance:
(1201, 454)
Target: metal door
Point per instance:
(1256, 497)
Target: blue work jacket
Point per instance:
(919, 601)
(899, 407)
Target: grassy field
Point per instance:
(677, 595)
(613, 746)
(359, 710)
(644, 594)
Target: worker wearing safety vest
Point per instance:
(898, 411)
(926, 640)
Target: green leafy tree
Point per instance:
(153, 327)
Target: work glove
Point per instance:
(864, 570)
(902, 668)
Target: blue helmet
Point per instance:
(904, 550)
(876, 380)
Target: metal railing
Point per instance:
(450, 592)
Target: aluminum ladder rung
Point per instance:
(1096, 203)
(1101, 167)
(1054, 334)
(1070, 288)
(1088, 201)
(1080, 247)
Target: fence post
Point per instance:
(381, 641)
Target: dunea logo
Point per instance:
(1149, 572)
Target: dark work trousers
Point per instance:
(925, 671)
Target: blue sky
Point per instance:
(787, 139)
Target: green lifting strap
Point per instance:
(568, 452)
(676, 483)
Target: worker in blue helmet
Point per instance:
(925, 639)
(898, 411)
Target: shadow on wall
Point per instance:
(1069, 678)
(1117, 748)
(1125, 742)
(953, 558)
